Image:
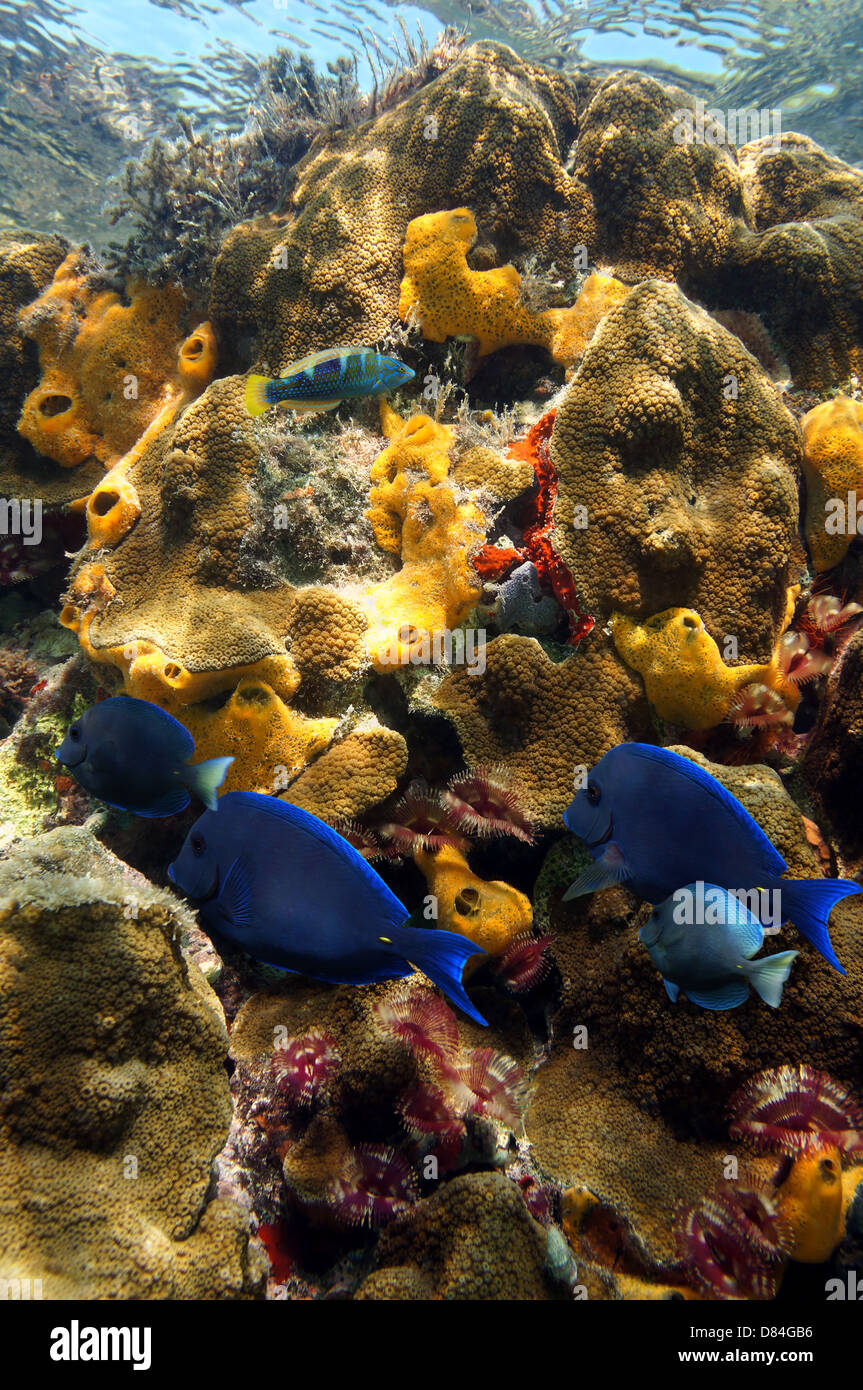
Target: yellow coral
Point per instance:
(415, 515)
(451, 300)
(685, 678)
(108, 367)
(833, 464)
(810, 1204)
(490, 914)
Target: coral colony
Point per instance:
(431, 673)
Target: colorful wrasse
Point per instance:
(323, 380)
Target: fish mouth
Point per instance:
(603, 839)
(70, 762)
(204, 897)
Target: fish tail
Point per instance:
(204, 779)
(767, 976)
(808, 902)
(441, 955)
(256, 394)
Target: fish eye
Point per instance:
(198, 846)
(593, 793)
(75, 732)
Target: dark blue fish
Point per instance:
(656, 821)
(323, 380)
(133, 755)
(279, 884)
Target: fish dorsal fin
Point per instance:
(304, 823)
(664, 756)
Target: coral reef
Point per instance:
(497, 129)
(677, 467)
(115, 1096)
(540, 717)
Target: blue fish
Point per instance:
(323, 380)
(702, 940)
(135, 756)
(279, 884)
(654, 821)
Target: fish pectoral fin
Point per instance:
(235, 898)
(605, 872)
(673, 991)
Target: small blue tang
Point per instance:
(654, 820)
(279, 884)
(702, 940)
(323, 380)
(135, 756)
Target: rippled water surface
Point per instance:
(84, 87)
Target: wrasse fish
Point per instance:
(279, 884)
(654, 820)
(134, 755)
(323, 380)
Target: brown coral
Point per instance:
(678, 469)
(473, 1239)
(542, 718)
(491, 132)
(115, 1100)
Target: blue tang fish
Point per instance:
(135, 756)
(323, 380)
(279, 884)
(708, 953)
(654, 821)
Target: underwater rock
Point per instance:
(685, 464)
(115, 1099)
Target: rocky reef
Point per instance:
(606, 509)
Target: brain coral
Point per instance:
(542, 718)
(115, 1100)
(472, 1239)
(490, 132)
(686, 462)
(802, 270)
